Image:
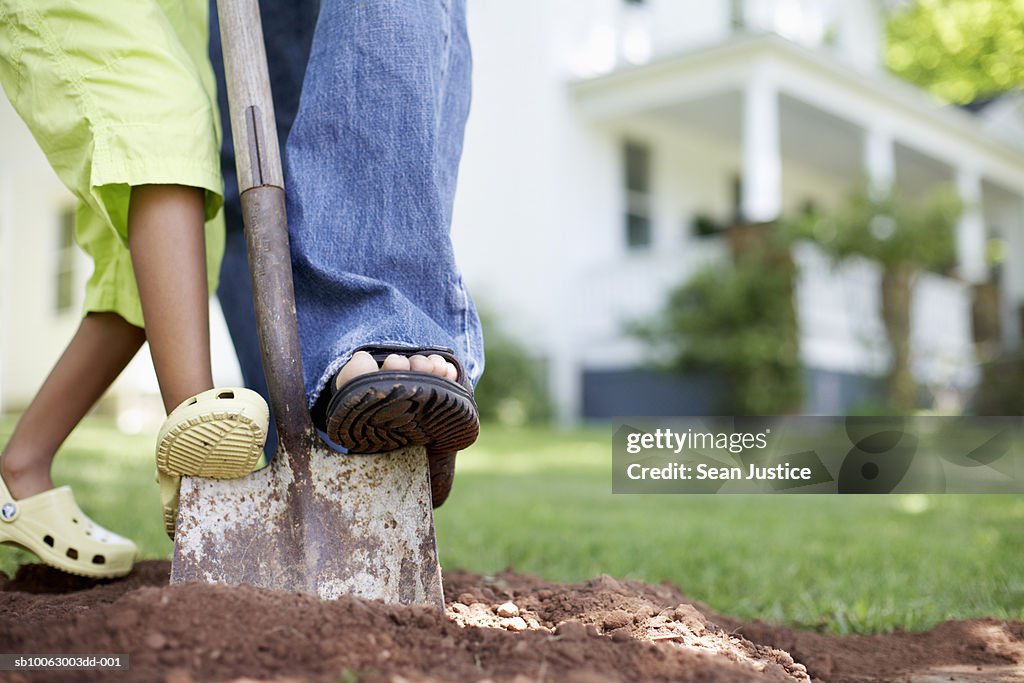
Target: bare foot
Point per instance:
(362, 363)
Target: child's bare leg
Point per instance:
(166, 239)
(99, 351)
(165, 234)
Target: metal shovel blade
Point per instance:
(350, 525)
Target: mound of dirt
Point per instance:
(508, 628)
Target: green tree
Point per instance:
(905, 238)
(513, 388)
(960, 50)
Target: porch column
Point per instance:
(1012, 295)
(565, 382)
(762, 159)
(879, 161)
(970, 231)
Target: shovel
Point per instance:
(314, 521)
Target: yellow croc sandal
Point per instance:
(51, 525)
(218, 434)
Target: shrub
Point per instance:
(513, 389)
(738, 320)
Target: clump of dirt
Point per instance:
(508, 628)
(624, 611)
(982, 650)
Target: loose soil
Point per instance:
(508, 628)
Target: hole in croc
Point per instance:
(192, 401)
(72, 553)
(75, 520)
(226, 394)
(48, 540)
(99, 559)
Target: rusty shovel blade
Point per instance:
(350, 525)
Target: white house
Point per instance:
(601, 128)
(599, 131)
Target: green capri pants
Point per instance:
(117, 93)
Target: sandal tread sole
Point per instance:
(218, 445)
(384, 413)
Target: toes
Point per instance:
(435, 364)
(360, 364)
(395, 362)
(439, 364)
(420, 363)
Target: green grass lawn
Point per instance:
(540, 501)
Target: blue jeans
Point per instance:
(371, 154)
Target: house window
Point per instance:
(65, 262)
(637, 162)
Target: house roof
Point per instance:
(817, 77)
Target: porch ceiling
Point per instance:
(917, 172)
(824, 107)
(809, 136)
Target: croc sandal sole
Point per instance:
(54, 528)
(218, 434)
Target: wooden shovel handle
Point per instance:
(257, 152)
(261, 186)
